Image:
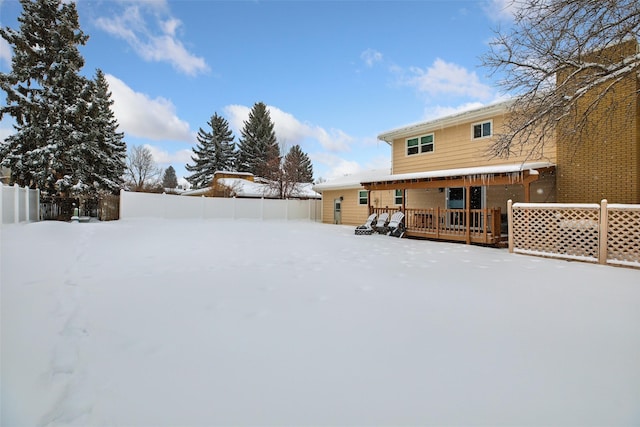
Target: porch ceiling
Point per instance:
(519, 173)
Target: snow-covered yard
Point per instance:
(199, 323)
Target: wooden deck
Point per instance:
(451, 224)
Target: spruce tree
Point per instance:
(258, 150)
(169, 178)
(46, 95)
(104, 151)
(297, 166)
(215, 151)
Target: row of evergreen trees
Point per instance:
(66, 136)
(257, 152)
(66, 139)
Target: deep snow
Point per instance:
(194, 323)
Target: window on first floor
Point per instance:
(482, 130)
(398, 197)
(363, 197)
(421, 144)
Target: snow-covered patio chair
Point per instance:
(381, 223)
(395, 227)
(367, 227)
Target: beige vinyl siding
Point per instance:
(454, 147)
(352, 212)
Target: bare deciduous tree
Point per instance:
(142, 173)
(558, 63)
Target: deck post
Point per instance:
(510, 223)
(467, 214)
(603, 235)
(485, 222)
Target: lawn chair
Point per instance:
(381, 224)
(367, 227)
(395, 227)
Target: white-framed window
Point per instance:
(420, 144)
(482, 130)
(398, 197)
(363, 197)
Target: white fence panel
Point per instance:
(248, 209)
(275, 209)
(145, 205)
(19, 204)
(217, 207)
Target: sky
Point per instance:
(334, 74)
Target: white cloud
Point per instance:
(143, 117)
(290, 131)
(370, 57)
(5, 52)
(335, 166)
(444, 78)
(159, 45)
(500, 10)
(164, 158)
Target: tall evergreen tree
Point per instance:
(169, 178)
(215, 151)
(45, 94)
(297, 165)
(258, 150)
(103, 154)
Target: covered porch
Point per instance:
(461, 206)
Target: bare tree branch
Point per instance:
(560, 63)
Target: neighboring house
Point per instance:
(246, 185)
(450, 188)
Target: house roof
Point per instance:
(351, 181)
(244, 188)
(482, 171)
(432, 125)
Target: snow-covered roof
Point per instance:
(232, 173)
(442, 122)
(351, 181)
(244, 188)
(475, 171)
(356, 180)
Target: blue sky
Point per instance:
(334, 74)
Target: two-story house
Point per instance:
(449, 186)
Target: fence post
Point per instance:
(510, 224)
(37, 204)
(26, 203)
(603, 235)
(16, 203)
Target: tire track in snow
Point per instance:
(67, 374)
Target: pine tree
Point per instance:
(297, 165)
(46, 95)
(169, 178)
(258, 151)
(215, 151)
(109, 161)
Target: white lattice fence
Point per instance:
(573, 231)
(623, 237)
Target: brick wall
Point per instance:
(602, 159)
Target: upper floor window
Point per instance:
(482, 130)
(363, 197)
(421, 144)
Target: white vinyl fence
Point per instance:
(146, 205)
(19, 204)
(603, 233)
